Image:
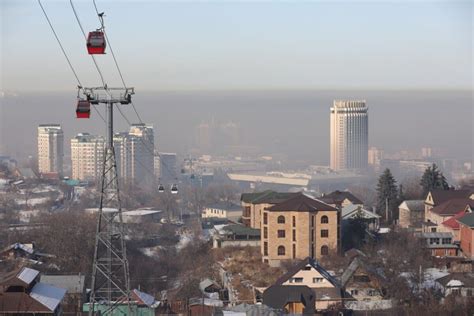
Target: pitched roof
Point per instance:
(249, 197)
(452, 207)
(337, 197)
(74, 283)
(467, 220)
(465, 279)
(413, 205)
(277, 296)
(266, 197)
(355, 264)
(439, 196)
(452, 221)
(143, 298)
(20, 277)
(20, 302)
(303, 203)
(352, 210)
(225, 206)
(48, 295)
(303, 263)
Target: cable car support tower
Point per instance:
(110, 276)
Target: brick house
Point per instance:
(442, 212)
(440, 244)
(253, 205)
(466, 233)
(299, 227)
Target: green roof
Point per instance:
(238, 229)
(270, 197)
(249, 197)
(467, 220)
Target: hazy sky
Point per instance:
(244, 45)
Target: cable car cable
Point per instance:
(115, 59)
(85, 37)
(64, 53)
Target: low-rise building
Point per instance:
(440, 244)
(444, 211)
(235, 235)
(411, 214)
(341, 199)
(357, 211)
(438, 196)
(299, 227)
(466, 234)
(75, 290)
(305, 283)
(458, 283)
(227, 210)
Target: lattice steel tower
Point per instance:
(110, 276)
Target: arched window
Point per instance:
(324, 250)
(281, 250)
(281, 219)
(324, 219)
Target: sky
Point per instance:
(233, 45)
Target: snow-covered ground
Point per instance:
(32, 202)
(185, 238)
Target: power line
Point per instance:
(65, 55)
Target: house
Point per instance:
(411, 214)
(230, 211)
(21, 253)
(341, 199)
(466, 234)
(209, 288)
(440, 244)
(442, 212)
(141, 304)
(305, 283)
(437, 197)
(451, 225)
(21, 293)
(75, 290)
(299, 227)
(357, 211)
(458, 283)
(253, 205)
(365, 284)
(235, 235)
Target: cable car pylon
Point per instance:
(110, 273)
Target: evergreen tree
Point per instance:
(433, 178)
(387, 195)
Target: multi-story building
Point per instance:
(135, 154)
(375, 156)
(349, 135)
(50, 149)
(299, 227)
(87, 156)
(168, 165)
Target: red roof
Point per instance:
(452, 207)
(452, 221)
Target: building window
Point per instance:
(281, 219)
(433, 229)
(294, 251)
(434, 241)
(265, 218)
(324, 233)
(312, 250)
(296, 280)
(312, 220)
(281, 233)
(354, 292)
(294, 235)
(324, 219)
(318, 280)
(265, 248)
(312, 235)
(265, 232)
(281, 250)
(446, 241)
(324, 250)
(294, 221)
(371, 292)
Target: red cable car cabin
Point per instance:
(83, 109)
(96, 43)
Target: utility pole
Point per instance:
(110, 274)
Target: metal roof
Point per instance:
(74, 284)
(48, 295)
(27, 275)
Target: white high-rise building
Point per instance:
(135, 154)
(50, 149)
(349, 135)
(87, 156)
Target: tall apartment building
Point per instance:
(349, 135)
(299, 227)
(87, 155)
(50, 149)
(135, 154)
(168, 168)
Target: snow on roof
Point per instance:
(384, 230)
(104, 209)
(140, 212)
(48, 295)
(147, 299)
(27, 275)
(455, 283)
